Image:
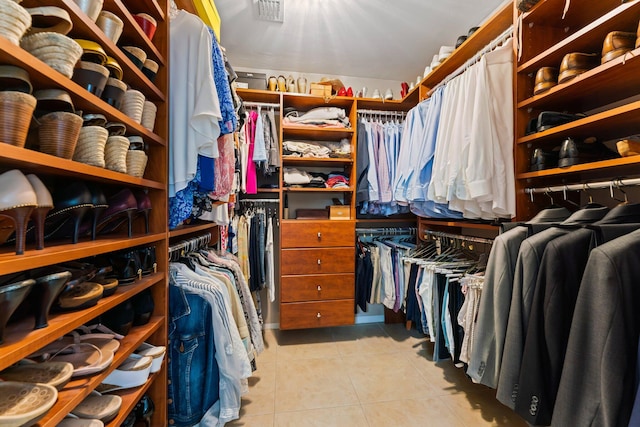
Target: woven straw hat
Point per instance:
(111, 25)
(114, 91)
(93, 77)
(135, 54)
(14, 22)
(136, 163)
(116, 129)
(16, 109)
(149, 115)
(92, 51)
(50, 100)
(58, 133)
(91, 8)
(133, 104)
(136, 143)
(56, 50)
(115, 153)
(49, 19)
(150, 69)
(91, 144)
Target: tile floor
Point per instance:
(371, 375)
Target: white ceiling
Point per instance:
(383, 39)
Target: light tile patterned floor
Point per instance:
(371, 375)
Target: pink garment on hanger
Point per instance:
(225, 167)
(252, 176)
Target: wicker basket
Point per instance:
(115, 153)
(56, 50)
(136, 163)
(91, 8)
(15, 21)
(90, 148)
(149, 115)
(16, 109)
(111, 25)
(133, 104)
(58, 133)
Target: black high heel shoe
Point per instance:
(72, 202)
(11, 295)
(144, 207)
(45, 292)
(99, 201)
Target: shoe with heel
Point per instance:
(122, 206)
(17, 202)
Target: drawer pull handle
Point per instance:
(318, 315)
(319, 235)
(319, 288)
(319, 262)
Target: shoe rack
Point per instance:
(604, 93)
(20, 338)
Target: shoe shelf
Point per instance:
(41, 163)
(77, 389)
(315, 132)
(600, 86)
(589, 39)
(54, 252)
(628, 165)
(42, 76)
(132, 34)
(257, 95)
(85, 28)
(146, 6)
(21, 339)
(610, 124)
(306, 102)
(304, 161)
(543, 26)
(492, 28)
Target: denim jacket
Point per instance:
(193, 370)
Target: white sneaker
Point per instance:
(376, 94)
(388, 95)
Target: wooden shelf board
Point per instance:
(310, 161)
(458, 224)
(588, 39)
(42, 163)
(42, 76)
(61, 252)
(21, 339)
(600, 86)
(306, 101)
(584, 167)
(132, 34)
(77, 389)
(403, 104)
(268, 190)
(257, 95)
(316, 221)
(385, 220)
(315, 133)
(190, 229)
(610, 124)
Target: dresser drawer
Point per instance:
(302, 315)
(313, 234)
(317, 287)
(317, 261)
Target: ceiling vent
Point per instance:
(271, 10)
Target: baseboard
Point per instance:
(378, 318)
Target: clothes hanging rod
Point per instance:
(201, 241)
(382, 112)
(506, 34)
(259, 200)
(458, 237)
(616, 183)
(260, 104)
(391, 231)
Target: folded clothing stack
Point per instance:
(320, 116)
(317, 149)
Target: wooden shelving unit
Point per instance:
(20, 338)
(615, 82)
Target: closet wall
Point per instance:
(20, 339)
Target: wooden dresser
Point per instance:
(318, 274)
